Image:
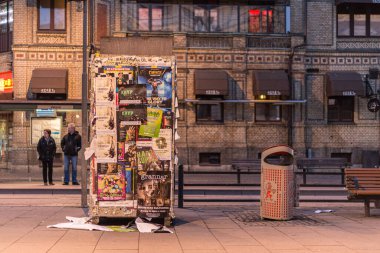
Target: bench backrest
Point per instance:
(322, 162)
(362, 179)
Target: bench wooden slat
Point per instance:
(363, 183)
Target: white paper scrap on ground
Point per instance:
(145, 227)
(82, 220)
(323, 211)
(90, 150)
(72, 225)
(79, 223)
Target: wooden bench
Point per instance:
(309, 165)
(253, 165)
(364, 184)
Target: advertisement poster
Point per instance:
(129, 183)
(121, 151)
(158, 81)
(133, 114)
(108, 169)
(124, 74)
(167, 119)
(127, 133)
(105, 151)
(162, 145)
(153, 194)
(111, 187)
(105, 90)
(39, 124)
(132, 94)
(152, 128)
(147, 160)
(105, 119)
(130, 156)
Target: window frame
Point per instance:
(209, 154)
(267, 110)
(51, 29)
(150, 7)
(9, 29)
(342, 101)
(209, 120)
(356, 9)
(269, 29)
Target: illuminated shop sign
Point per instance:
(6, 82)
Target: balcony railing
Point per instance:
(193, 18)
(269, 41)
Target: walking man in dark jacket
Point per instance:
(71, 143)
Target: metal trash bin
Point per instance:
(277, 183)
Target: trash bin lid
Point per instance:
(279, 155)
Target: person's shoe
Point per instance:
(45, 184)
(75, 183)
(51, 183)
(65, 183)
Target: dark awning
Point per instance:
(271, 82)
(211, 82)
(49, 81)
(344, 83)
(355, 1)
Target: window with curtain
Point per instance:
(358, 20)
(52, 15)
(6, 25)
(261, 20)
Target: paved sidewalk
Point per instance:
(198, 229)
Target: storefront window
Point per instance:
(209, 113)
(6, 25)
(52, 15)
(267, 112)
(341, 109)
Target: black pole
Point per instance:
(180, 186)
(84, 110)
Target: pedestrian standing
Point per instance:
(46, 148)
(71, 143)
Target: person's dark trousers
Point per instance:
(47, 168)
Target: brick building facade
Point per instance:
(307, 40)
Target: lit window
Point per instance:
(260, 21)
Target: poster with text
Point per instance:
(105, 91)
(105, 151)
(158, 81)
(105, 119)
(153, 125)
(153, 194)
(162, 145)
(132, 114)
(132, 94)
(111, 187)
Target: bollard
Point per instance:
(180, 186)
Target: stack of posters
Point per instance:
(134, 133)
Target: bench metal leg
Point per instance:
(367, 203)
(238, 176)
(377, 203)
(304, 176)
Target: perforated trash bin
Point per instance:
(277, 183)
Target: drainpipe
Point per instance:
(84, 110)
